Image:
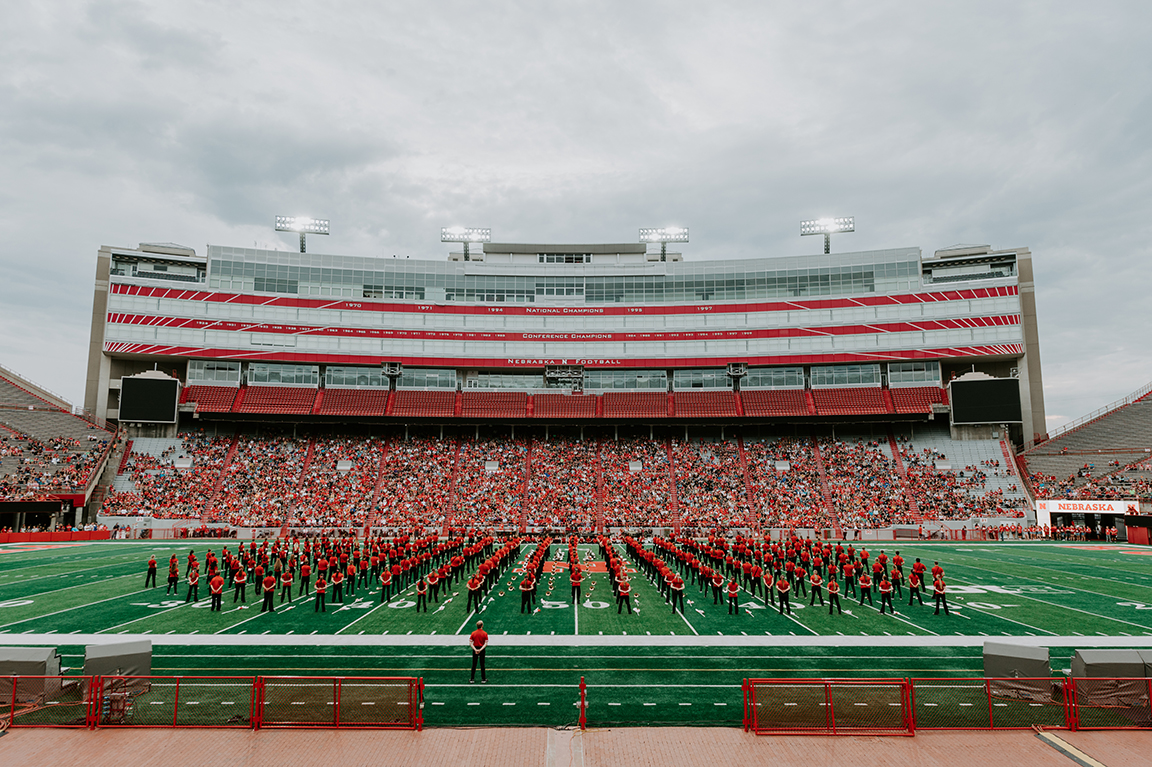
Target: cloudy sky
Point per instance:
(1011, 124)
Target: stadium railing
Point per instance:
(1111, 704)
(174, 701)
(211, 701)
(384, 703)
(991, 704)
(828, 707)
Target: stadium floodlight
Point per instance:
(664, 235)
(466, 235)
(828, 227)
(305, 225)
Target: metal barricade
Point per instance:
(1111, 704)
(827, 706)
(175, 701)
(990, 704)
(45, 701)
(349, 702)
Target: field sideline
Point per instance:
(653, 667)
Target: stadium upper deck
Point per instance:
(595, 317)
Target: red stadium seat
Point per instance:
(210, 399)
(564, 406)
(361, 402)
(705, 404)
(854, 401)
(635, 405)
(416, 403)
(279, 400)
(917, 399)
(774, 403)
(495, 404)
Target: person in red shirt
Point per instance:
(941, 598)
(849, 571)
(321, 590)
(816, 582)
(337, 586)
(886, 596)
(576, 577)
(915, 586)
(193, 585)
(624, 596)
(216, 590)
(151, 576)
(305, 577)
(526, 587)
(478, 641)
(269, 584)
(866, 589)
(350, 579)
(834, 597)
(285, 586)
(173, 576)
(434, 584)
(421, 595)
(733, 597)
(385, 583)
(717, 586)
(782, 589)
(474, 595)
(676, 588)
(241, 581)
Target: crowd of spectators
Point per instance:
(710, 486)
(1132, 481)
(786, 486)
(490, 477)
(32, 469)
(164, 491)
(327, 496)
(636, 483)
(563, 484)
(416, 482)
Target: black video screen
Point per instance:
(995, 400)
(148, 400)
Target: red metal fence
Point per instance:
(187, 701)
(902, 706)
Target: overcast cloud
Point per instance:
(934, 124)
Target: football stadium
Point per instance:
(781, 495)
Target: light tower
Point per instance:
(305, 225)
(466, 235)
(828, 227)
(664, 235)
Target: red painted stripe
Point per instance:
(282, 355)
(532, 309)
(585, 337)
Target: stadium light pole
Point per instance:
(828, 227)
(466, 235)
(305, 225)
(664, 235)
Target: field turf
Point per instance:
(1035, 590)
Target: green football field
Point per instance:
(651, 667)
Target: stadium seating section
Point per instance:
(917, 399)
(495, 404)
(854, 401)
(852, 480)
(277, 400)
(705, 404)
(210, 399)
(564, 406)
(417, 403)
(774, 403)
(635, 405)
(355, 402)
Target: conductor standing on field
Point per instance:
(478, 641)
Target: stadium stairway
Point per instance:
(290, 517)
(600, 485)
(371, 519)
(673, 501)
(210, 506)
(747, 479)
(455, 476)
(961, 453)
(527, 484)
(825, 489)
(913, 506)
